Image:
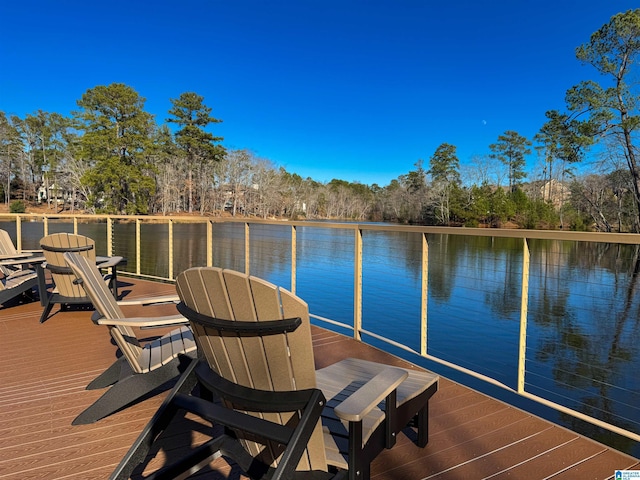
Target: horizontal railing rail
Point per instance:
(238, 249)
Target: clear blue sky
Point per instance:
(355, 90)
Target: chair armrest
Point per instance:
(150, 300)
(8, 256)
(168, 320)
(25, 260)
(107, 262)
(361, 402)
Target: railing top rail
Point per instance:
(600, 237)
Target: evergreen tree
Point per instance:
(613, 110)
(511, 149)
(116, 132)
(444, 166)
(563, 141)
(198, 145)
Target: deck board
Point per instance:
(45, 367)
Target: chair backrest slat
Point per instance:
(300, 344)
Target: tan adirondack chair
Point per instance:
(9, 250)
(17, 283)
(142, 368)
(17, 269)
(64, 291)
(256, 340)
(11, 259)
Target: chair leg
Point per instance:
(358, 464)
(42, 285)
(421, 419)
(129, 389)
(109, 376)
(47, 310)
(422, 422)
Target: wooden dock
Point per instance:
(45, 367)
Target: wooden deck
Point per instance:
(45, 367)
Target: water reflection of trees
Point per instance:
(271, 254)
(395, 254)
(444, 252)
(466, 263)
(189, 246)
(504, 299)
(585, 308)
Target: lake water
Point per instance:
(583, 317)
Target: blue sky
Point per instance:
(355, 90)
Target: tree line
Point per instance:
(111, 156)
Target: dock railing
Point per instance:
(255, 246)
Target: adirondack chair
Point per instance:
(65, 291)
(142, 368)
(17, 274)
(8, 249)
(17, 283)
(11, 259)
(282, 419)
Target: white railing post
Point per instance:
(109, 237)
(425, 295)
(138, 249)
(524, 301)
(171, 249)
(209, 243)
(294, 257)
(19, 233)
(247, 249)
(357, 284)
